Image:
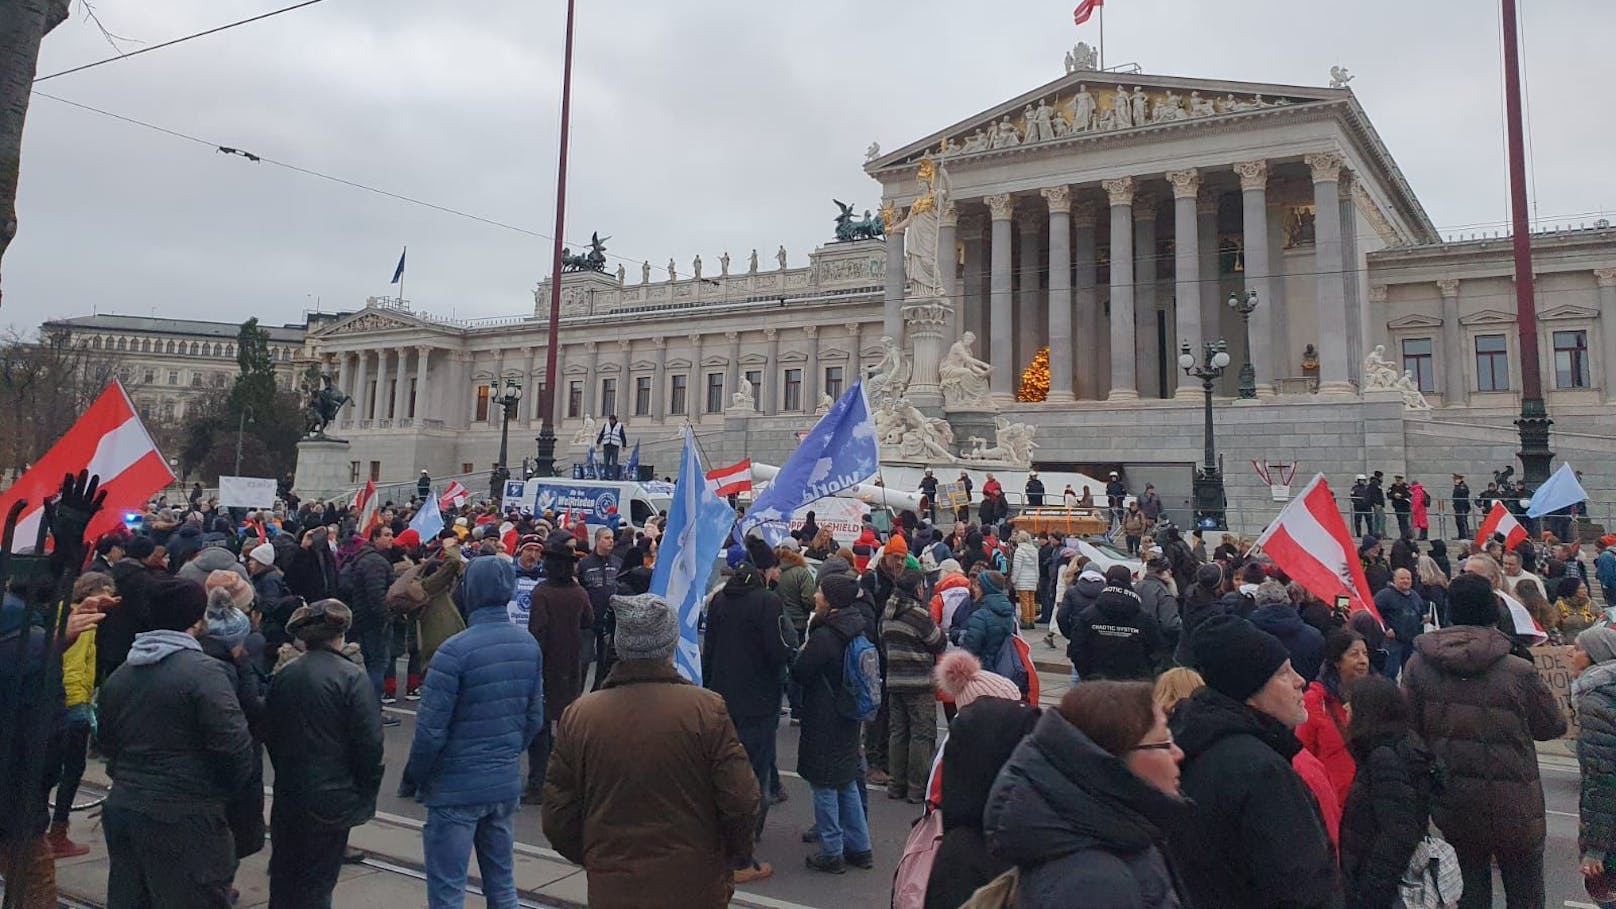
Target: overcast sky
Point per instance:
(698, 127)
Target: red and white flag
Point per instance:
(1499, 520)
(109, 441)
(369, 505)
(1084, 10)
(731, 480)
(454, 496)
(1309, 541)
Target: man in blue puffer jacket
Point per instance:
(481, 704)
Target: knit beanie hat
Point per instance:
(241, 592)
(263, 554)
(1599, 642)
(1236, 657)
(647, 627)
(175, 603)
(1209, 575)
(760, 554)
(1471, 601)
(1119, 576)
(226, 624)
(1271, 593)
(839, 589)
(950, 566)
(897, 545)
(960, 677)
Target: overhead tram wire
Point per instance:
(180, 40)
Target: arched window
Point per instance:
(145, 346)
(170, 348)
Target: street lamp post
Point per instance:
(1248, 370)
(247, 416)
(1211, 505)
(507, 403)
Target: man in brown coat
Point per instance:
(1479, 708)
(558, 611)
(650, 766)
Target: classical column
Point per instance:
(1186, 270)
(970, 312)
(1332, 342)
(855, 361)
(1454, 390)
(770, 392)
(892, 301)
(810, 397)
(1287, 361)
(947, 268)
(659, 384)
(1091, 373)
(422, 355)
(401, 392)
(530, 389)
(927, 322)
(733, 382)
(1028, 318)
(1061, 340)
(1121, 192)
(625, 392)
(1254, 232)
(361, 389)
(696, 385)
(592, 380)
(1357, 323)
(1206, 229)
(1147, 354)
(1001, 207)
(1606, 278)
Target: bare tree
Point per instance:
(45, 386)
(23, 25)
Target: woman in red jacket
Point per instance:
(1346, 660)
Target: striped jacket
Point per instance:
(911, 641)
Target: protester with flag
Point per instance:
(363, 584)
(838, 453)
(694, 534)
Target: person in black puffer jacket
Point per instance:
(1081, 806)
(1115, 639)
(364, 581)
(1388, 809)
(1080, 595)
(1202, 601)
(1276, 615)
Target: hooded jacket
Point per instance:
(795, 590)
(1158, 602)
(1024, 567)
(482, 701)
(747, 647)
(1114, 639)
(1594, 693)
(1305, 643)
(1256, 837)
(209, 560)
(952, 592)
(1075, 820)
(1387, 813)
(1079, 596)
(828, 750)
(1479, 709)
(993, 620)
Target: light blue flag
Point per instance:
(1557, 492)
(428, 522)
(698, 521)
(589, 463)
(838, 453)
(632, 469)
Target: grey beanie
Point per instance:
(647, 627)
(1599, 642)
(1271, 593)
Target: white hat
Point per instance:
(263, 554)
(1360, 477)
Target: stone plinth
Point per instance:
(968, 423)
(927, 323)
(322, 468)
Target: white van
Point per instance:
(594, 499)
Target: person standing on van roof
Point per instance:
(612, 438)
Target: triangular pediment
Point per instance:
(1415, 321)
(1085, 104)
(1488, 317)
(1568, 312)
(377, 319)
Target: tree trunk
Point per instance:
(23, 25)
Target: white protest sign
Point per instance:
(246, 492)
(843, 517)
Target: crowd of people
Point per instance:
(1227, 739)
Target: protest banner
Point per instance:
(1554, 667)
(246, 492)
(844, 518)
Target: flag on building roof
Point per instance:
(732, 480)
(398, 273)
(109, 442)
(697, 523)
(1310, 542)
(1499, 520)
(1557, 492)
(1084, 10)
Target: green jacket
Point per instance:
(439, 619)
(796, 591)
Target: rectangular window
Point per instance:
(353, 471)
(1417, 360)
(793, 390)
(679, 391)
(375, 471)
(755, 377)
(412, 398)
(575, 399)
(1571, 359)
(1492, 363)
(465, 466)
(482, 403)
(608, 396)
(642, 396)
(833, 381)
(173, 377)
(150, 378)
(715, 392)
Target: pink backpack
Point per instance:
(920, 849)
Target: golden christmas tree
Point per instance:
(1035, 378)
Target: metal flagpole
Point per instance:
(552, 342)
(1101, 14)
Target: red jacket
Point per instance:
(1318, 782)
(1322, 735)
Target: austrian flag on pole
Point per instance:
(454, 496)
(731, 480)
(1310, 542)
(109, 441)
(1499, 520)
(1085, 10)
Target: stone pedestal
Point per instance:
(968, 423)
(322, 468)
(927, 323)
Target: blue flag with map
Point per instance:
(1557, 492)
(838, 453)
(428, 522)
(698, 521)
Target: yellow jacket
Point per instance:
(78, 669)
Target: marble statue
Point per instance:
(1046, 124)
(723, 264)
(890, 378)
(1008, 137)
(920, 227)
(751, 264)
(1083, 108)
(1139, 100)
(825, 402)
(1200, 107)
(1082, 57)
(1060, 125)
(964, 379)
(1121, 111)
(585, 436)
(1029, 125)
(1412, 398)
(743, 399)
(780, 256)
(1339, 77)
(977, 141)
(621, 274)
(673, 274)
(1379, 373)
(873, 152)
(645, 272)
(1012, 444)
(695, 266)
(1167, 109)
(904, 433)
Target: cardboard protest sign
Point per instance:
(1554, 667)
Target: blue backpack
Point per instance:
(860, 698)
(1008, 663)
